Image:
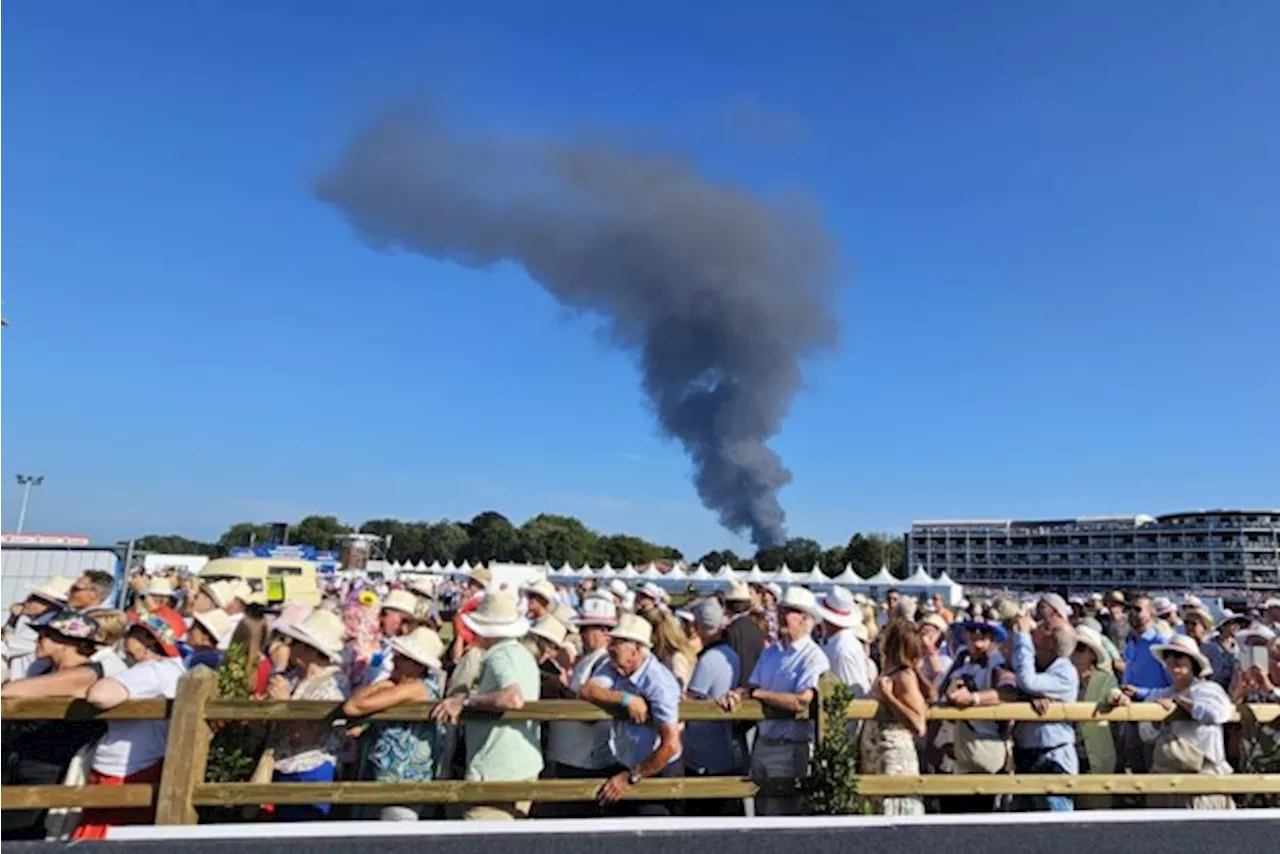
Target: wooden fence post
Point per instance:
(826, 685)
(187, 752)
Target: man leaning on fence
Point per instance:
(647, 742)
(785, 679)
(497, 750)
(1043, 671)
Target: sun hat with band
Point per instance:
(166, 626)
(634, 629)
(480, 576)
(321, 630)
(1183, 645)
(421, 645)
(497, 617)
(838, 608)
(597, 611)
(402, 601)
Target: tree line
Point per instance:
(546, 538)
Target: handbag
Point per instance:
(977, 755)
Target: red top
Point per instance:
(262, 676)
(460, 628)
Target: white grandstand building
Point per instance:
(1207, 549)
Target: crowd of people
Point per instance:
(635, 653)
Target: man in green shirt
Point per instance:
(497, 750)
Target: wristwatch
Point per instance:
(633, 777)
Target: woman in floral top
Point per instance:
(306, 751)
(403, 751)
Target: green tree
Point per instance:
(802, 554)
(244, 534)
(623, 549)
(174, 545)
(771, 558)
(317, 531)
(491, 536)
(833, 561)
(443, 541)
(716, 559)
(553, 539)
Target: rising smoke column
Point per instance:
(720, 293)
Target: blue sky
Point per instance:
(1059, 223)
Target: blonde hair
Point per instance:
(669, 638)
(871, 622)
(111, 625)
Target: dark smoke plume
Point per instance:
(719, 292)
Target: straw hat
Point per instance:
(1090, 638)
(549, 629)
(567, 617)
(1185, 646)
(158, 586)
(597, 611)
(799, 599)
(1231, 617)
(739, 591)
(482, 576)
(618, 588)
(54, 591)
(215, 622)
(421, 645)
(838, 608)
(936, 621)
(221, 593)
(543, 589)
(402, 601)
(633, 628)
(423, 587)
(319, 630)
(497, 617)
(654, 592)
(241, 590)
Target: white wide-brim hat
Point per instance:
(549, 629)
(1185, 646)
(799, 599)
(1090, 638)
(215, 622)
(54, 591)
(497, 617)
(320, 630)
(839, 609)
(401, 600)
(421, 645)
(633, 628)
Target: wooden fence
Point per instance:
(182, 788)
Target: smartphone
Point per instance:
(1253, 656)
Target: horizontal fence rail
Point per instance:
(182, 786)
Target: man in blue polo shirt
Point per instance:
(1143, 673)
(646, 741)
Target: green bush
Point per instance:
(234, 750)
(832, 784)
